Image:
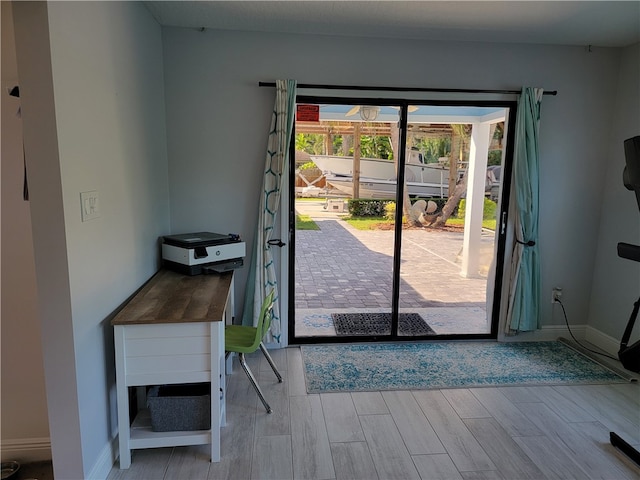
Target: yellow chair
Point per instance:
(244, 339)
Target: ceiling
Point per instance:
(584, 23)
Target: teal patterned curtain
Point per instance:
(524, 288)
(262, 272)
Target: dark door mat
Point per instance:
(379, 324)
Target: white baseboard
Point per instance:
(603, 341)
(581, 332)
(25, 450)
(105, 461)
(546, 334)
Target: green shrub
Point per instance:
(495, 157)
(367, 207)
(390, 211)
(488, 211)
(307, 166)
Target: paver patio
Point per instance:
(340, 268)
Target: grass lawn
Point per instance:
(370, 223)
(304, 222)
(488, 224)
(366, 223)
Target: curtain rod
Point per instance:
(402, 89)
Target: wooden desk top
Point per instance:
(171, 297)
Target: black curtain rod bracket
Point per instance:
(401, 89)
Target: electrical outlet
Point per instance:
(556, 294)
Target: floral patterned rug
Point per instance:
(404, 366)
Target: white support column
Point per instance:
(478, 153)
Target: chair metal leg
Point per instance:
(245, 367)
(271, 362)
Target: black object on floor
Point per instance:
(29, 471)
(379, 324)
(624, 447)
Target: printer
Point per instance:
(202, 252)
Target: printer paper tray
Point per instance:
(213, 267)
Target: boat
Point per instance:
(383, 189)
(416, 170)
(378, 176)
(386, 189)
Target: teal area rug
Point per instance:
(404, 366)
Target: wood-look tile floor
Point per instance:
(480, 433)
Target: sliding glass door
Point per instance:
(394, 220)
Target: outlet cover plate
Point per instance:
(89, 205)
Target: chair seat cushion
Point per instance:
(240, 338)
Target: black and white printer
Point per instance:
(202, 252)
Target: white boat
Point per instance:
(374, 168)
(378, 177)
(386, 189)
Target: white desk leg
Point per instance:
(231, 305)
(216, 375)
(223, 377)
(229, 313)
(124, 431)
(229, 364)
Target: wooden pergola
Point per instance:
(371, 128)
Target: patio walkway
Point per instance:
(340, 268)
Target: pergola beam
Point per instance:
(371, 129)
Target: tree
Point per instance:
(313, 143)
(356, 161)
(406, 201)
(347, 144)
(452, 202)
(460, 187)
(432, 148)
(459, 151)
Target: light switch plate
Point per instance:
(89, 205)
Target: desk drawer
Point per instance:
(168, 330)
(168, 364)
(166, 340)
(147, 347)
(166, 352)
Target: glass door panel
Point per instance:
(453, 174)
(343, 274)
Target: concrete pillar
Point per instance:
(478, 154)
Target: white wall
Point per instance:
(217, 120)
(25, 427)
(616, 281)
(94, 120)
